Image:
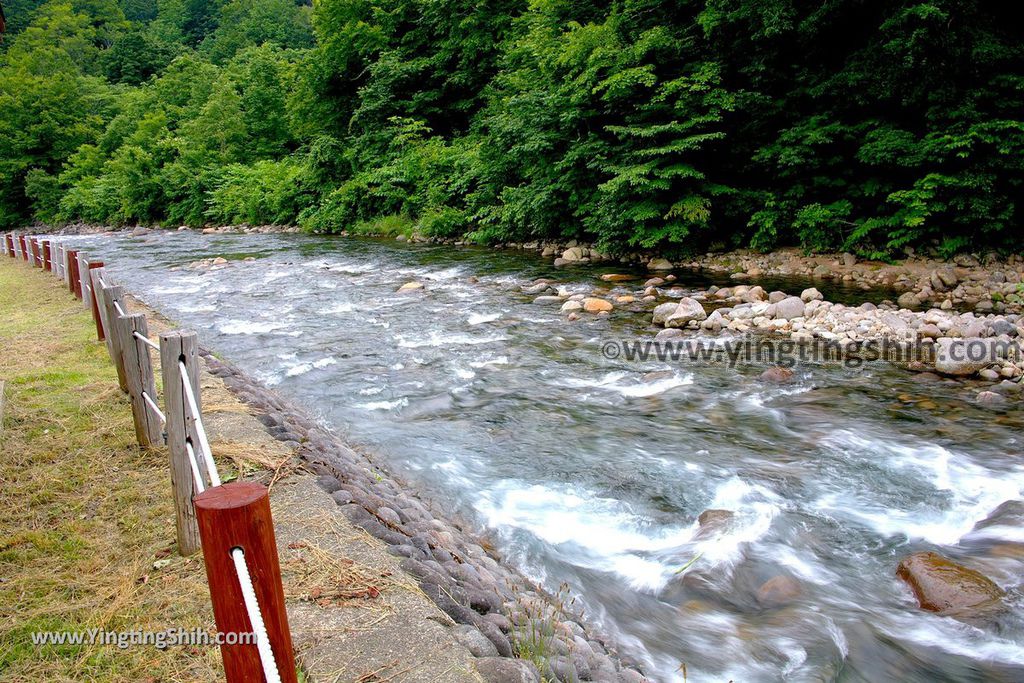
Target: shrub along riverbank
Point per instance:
(641, 124)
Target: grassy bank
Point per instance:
(86, 524)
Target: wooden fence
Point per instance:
(231, 522)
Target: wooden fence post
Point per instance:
(72, 269)
(33, 245)
(47, 263)
(112, 297)
(138, 371)
(94, 302)
(83, 280)
(24, 247)
(98, 277)
(10, 245)
(182, 346)
(237, 515)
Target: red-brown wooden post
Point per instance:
(33, 246)
(237, 515)
(94, 304)
(10, 245)
(47, 262)
(75, 283)
(24, 247)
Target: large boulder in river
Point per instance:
(659, 264)
(663, 311)
(574, 254)
(789, 308)
(941, 585)
(963, 357)
(686, 311)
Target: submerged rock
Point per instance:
(941, 585)
(779, 590)
(777, 374)
(410, 286)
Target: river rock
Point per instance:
(778, 590)
(777, 375)
(655, 282)
(547, 299)
(574, 254)
(617, 277)
(908, 300)
(754, 295)
(410, 286)
(943, 586)
(811, 294)
(659, 264)
(961, 357)
(571, 307)
(789, 308)
(595, 305)
(990, 398)
(502, 670)
(663, 311)
(713, 521)
(687, 310)
(477, 643)
(668, 334)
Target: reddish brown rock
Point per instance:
(944, 586)
(777, 374)
(778, 590)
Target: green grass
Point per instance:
(84, 512)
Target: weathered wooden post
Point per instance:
(33, 245)
(182, 346)
(72, 270)
(47, 262)
(65, 268)
(9, 241)
(113, 298)
(83, 280)
(237, 516)
(24, 247)
(93, 298)
(138, 371)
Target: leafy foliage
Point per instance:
(636, 125)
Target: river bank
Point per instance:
(980, 282)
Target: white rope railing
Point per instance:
(154, 407)
(252, 606)
(120, 311)
(146, 340)
(196, 474)
(204, 442)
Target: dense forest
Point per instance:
(678, 126)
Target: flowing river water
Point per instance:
(593, 472)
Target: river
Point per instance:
(593, 472)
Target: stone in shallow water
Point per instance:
(595, 305)
(778, 590)
(943, 586)
(778, 375)
(687, 310)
